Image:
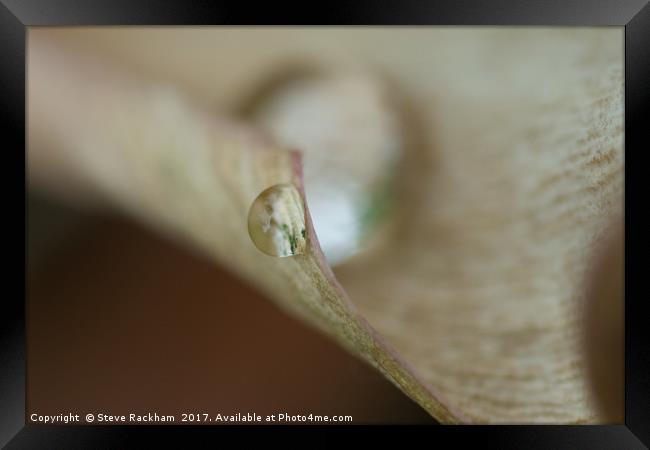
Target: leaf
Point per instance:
(513, 172)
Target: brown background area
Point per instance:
(120, 320)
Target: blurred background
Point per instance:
(121, 320)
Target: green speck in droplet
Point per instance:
(293, 241)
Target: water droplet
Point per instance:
(276, 221)
(350, 193)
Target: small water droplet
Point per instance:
(276, 221)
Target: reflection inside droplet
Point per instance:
(276, 221)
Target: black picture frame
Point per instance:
(634, 15)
